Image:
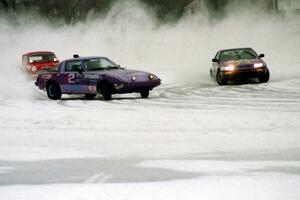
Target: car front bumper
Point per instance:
(245, 73)
(137, 86)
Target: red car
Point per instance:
(36, 62)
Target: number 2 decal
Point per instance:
(71, 78)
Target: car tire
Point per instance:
(145, 94)
(105, 90)
(221, 80)
(53, 91)
(90, 96)
(263, 78)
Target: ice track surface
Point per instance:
(279, 95)
(194, 141)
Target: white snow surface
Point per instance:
(192, 139)
(185, 141)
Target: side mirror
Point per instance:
(215, 60)
(261, 55)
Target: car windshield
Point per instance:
(42, 58)
(99, 64)
(238, 54)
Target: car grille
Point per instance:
(46, 67)
(245, 67)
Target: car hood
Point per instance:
(125, 74)
(45, 65)
(244, 62)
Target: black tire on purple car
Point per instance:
(53, 91)
(263, 78)
(105, 90)
(221, 79)
(145, 94)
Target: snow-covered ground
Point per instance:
(193, 141)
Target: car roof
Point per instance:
(83, 58)
(236, 49)
(36, 52)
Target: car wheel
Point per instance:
(263, 78)
(53, 91)
(90, 96)
(145, 94)
(105, 91)
(221, 79)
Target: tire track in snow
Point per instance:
(281, 95)
(273, 96)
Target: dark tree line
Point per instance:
(167, 9)
(70, 11)
(77, 10)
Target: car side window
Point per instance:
(72, 66)
(105, 63)
(92, 64)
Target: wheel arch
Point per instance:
(52, 82)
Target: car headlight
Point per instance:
(151, 76)
(227, 68)
(33, 68)
(133, 78)
(257, 65)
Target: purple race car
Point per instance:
(92, 75)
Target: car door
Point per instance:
(75, 81)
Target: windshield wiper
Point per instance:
(94, 69)
(113, 67)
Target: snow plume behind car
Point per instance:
(133, 36)
(13, 82)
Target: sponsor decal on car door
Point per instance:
(74, 82)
